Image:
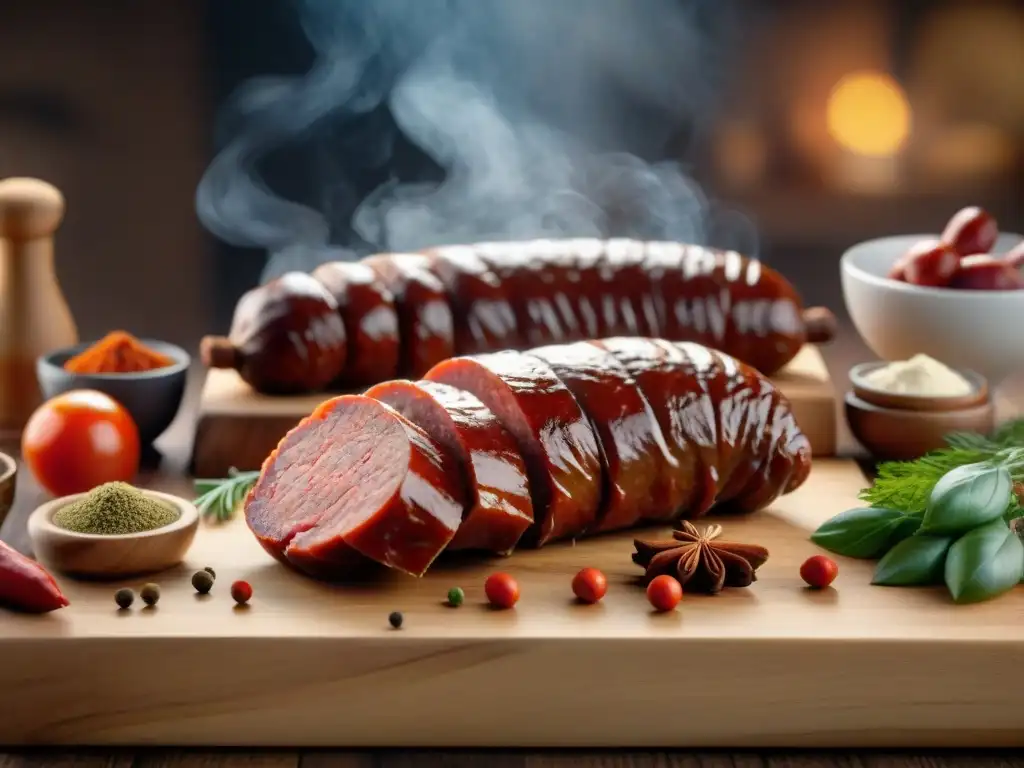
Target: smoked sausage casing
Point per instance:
(469, 299)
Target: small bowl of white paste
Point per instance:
(901, 410)
(921, 383)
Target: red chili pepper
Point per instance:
(25, 585)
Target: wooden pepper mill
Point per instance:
(34, 316)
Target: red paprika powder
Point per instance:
(25, 585)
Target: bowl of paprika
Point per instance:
(146, 376)
(8, 477)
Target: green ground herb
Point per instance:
(115, 509)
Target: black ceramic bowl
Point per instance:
(153, 398)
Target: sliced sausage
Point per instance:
(687, 482)
(356, 478)
(628, 434)
(498, 505)
(425, 322)
(368, 310)
(482, 313)
(553, 434)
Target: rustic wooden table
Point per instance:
(168, 473)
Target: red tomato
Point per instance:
(502, 590)
(819, 571)
(971, 230)
(929, 263)
(589, 585)
(664, 593)
(79, 440)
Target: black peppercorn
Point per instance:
(150, 593)
(124, 598)
(395, 619)
(210, 571)
(202, 581)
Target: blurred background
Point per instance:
(805, 126)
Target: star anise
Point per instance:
(699, 560)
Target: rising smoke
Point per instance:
(540, 112)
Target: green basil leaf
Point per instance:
(904, 529)
(965, 498)
(984, 563)
(863, 532)
(913, 562)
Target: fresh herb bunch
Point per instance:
(219, 498)
(906, 485)
(952, 516)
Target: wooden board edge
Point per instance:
(639, 693)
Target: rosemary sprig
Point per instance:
(219, 498)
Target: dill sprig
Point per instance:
(906, 485)
(219, 498)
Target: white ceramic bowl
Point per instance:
(981, 331)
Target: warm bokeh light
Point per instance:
(868, 114)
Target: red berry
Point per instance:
(241, 592)
(664, 593)
(502, 590)
(1015, 256)
(819, 571)
(971, 230)
(929, 263)
(589, 585)
(982, 272)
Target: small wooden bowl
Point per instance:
(894, 434)
(8, 478)
(978, 396)
(99, 557)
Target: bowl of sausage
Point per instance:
(957, 296)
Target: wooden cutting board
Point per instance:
(307, 664)
(238, 427)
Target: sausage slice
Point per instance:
(555, 439)
(628, 434)
(499, 509)
(356, 478)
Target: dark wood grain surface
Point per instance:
(167, 472)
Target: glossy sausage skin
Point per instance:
(286, 337)
(354, 479)
(499, 508)
(470, 299)
(553, 435)
(426, 329)
(629, 438)
(367, 310)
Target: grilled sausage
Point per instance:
(469, 299)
